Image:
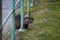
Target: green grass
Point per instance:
(46, 24)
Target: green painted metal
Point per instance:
(32, 3)
(13, 21)
(22, 15)
(13, 16)
(10, 13)
(28, 7)
(22, 12)
(0, 14)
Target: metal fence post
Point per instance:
(32, 3)
(13, 21)
(28, 7)
(22, 16)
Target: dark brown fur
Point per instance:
(27, 20)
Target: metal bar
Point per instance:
(7, 17)
(32, 3)
(9, 14)
(22, 16)
(13, 21)
(22, 12)
(28, 7)
(17, 2)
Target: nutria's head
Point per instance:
(27, 20)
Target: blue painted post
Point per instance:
(28, 7)
(13, 21)
(32, 3)
(22, 12)
(22, 15)
(10, 13)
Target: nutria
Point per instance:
(27, 20)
